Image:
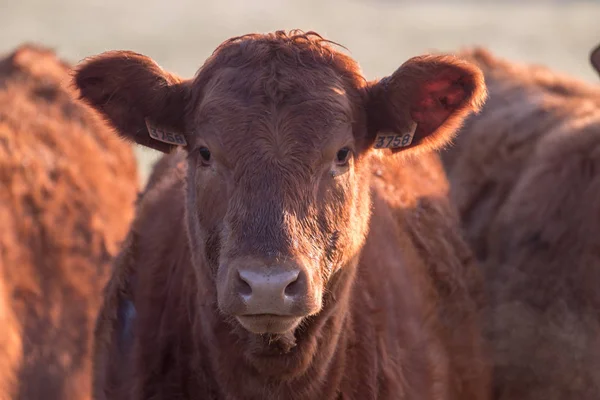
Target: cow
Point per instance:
(296, 240)
(524, 176)
(68, 187)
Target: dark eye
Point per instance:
(205, 154)
(342, 156)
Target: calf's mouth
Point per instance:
(269, 323)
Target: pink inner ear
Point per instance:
(436, 99)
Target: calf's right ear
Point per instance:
(143, 102)
(422, 105)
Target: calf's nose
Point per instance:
(271, 291)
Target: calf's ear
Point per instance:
(145, 104)
(422, 105)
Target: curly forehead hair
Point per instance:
(294, 48)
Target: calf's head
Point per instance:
(279, 129)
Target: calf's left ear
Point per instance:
(145, 104)
(422, 105)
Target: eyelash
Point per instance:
(204, 155)
(342, 157)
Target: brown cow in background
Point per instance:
(525, 174)
(67, 193)
(285, 252)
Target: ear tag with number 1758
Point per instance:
(165, 135)
(395, 140)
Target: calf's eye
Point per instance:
(342, 157)
(205, 155)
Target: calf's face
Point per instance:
(280, 169)
(279, 130)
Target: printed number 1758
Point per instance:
(393, 141)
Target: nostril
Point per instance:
(270, 285)
(294, 287)
(243, 286)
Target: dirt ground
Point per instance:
(380, 34)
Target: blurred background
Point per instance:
(380, 34)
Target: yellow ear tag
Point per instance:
(393, 140)
(165, 135)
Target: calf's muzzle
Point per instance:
(268, 298)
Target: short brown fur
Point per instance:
(67, 192)
(524, 175)
(393, 309)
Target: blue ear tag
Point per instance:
(126, 314)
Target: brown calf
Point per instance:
(525, 177)
(67, 193)
(278, 255)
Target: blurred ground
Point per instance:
(380, 34)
